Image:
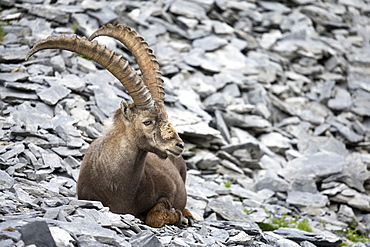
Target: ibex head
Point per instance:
(145, 120)
(150, 128)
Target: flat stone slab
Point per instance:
(317, 165)
(53, 94)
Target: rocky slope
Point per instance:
(271, 97)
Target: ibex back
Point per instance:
(136, 167)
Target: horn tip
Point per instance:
(92, 36)
(28, 55)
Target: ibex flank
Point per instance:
(136, 167)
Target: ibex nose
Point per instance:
(180, 145)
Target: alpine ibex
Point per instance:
(136, 167)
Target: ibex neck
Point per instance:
(127, 159)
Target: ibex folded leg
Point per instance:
(160, 215)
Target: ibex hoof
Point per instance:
(186, 219)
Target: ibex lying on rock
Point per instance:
(136, 167)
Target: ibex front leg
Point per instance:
(162, 214)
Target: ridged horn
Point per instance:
(107, 58)
(144, 56)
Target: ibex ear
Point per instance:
(126, 112)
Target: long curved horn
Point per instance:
(144, 56)
(105, 57)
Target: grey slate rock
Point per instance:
(222, 28)
(229, 212)
(357, 78)
(50, 12)
(315, 238)
(304, 184)
(12, 77)
(354, 173)
(269, 39)
(51, 160)
(188, 9)
(6, 181)
(307, 199)
(86, 204)
(104, 15)
(72, 82)
(24, 86)
(231, 166)
(70, 135)
(13, 53)
(346, 214)
(361, 107)
(353, 199)
(221, 126)
(287, 243)
(205, 160)
(276, 142)
(14, 150)
(216, 100)
(319, 14)
(53, 94)
(238, 5)
(346, 132)
(290, 48)
(240, 239)
(37, 233)
(37, 69)
(86, 24)
(254, 122)
(85, 65)
(272, 182)
(311, 145)
(341, 101)
(274, 6)
(84, 227)
(103, 93)
(145, 238)
(8, 3)
(209, 43)
(307, 244)
(220, 234)
(318, 165)
(66, 151)
(61, 237)
(222, 79)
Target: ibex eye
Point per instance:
(148, 122)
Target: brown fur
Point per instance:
(137, 168)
